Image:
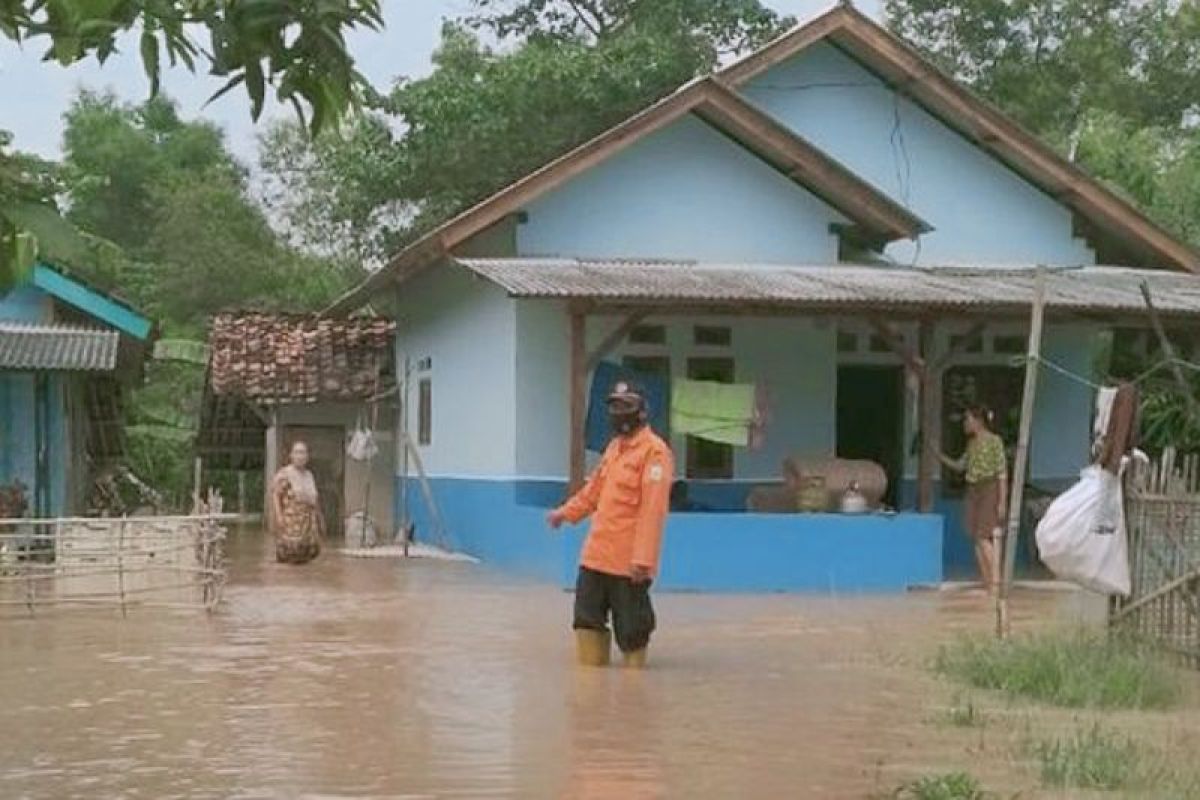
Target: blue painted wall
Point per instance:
(688, 192)
(701, 552)
(18, 459)
(17, 410)
(26, 304)
(981, 211)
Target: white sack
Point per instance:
(1082, 538)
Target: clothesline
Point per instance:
(1080, 379)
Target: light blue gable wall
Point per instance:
(684, 192)
(981, 211)
(26, 304)
(465, 326)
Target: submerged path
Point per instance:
(381, 678)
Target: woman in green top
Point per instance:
(985, 468)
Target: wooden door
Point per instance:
(326, 459)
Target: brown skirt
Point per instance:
(298, 534)
(981, 507)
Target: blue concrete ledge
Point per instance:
(703, 552)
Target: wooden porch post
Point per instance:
(577, 396)
(1007, 546)
(927, 458)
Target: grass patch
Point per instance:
(1079, 670)
(1091, 759)
(950, 786)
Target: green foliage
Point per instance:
(950, 786)
(1048, 62)
(297, 48)
(1091, 759)
(485, 117)
(167, 220)
(729, 26)
(26, 190)
(1080, 670)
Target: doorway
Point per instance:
(709, 460)
(870, 419)
(326, 459)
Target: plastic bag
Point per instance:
(1082, 538)
(361, 446)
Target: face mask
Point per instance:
(624, 422)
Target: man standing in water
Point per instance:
(628, 497)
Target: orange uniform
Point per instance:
(628, 497)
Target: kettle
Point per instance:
(853, 500)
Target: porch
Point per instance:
(864, 362)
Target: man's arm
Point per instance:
(657, 477)
(581, 505)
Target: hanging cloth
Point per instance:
(655, 388)
(716, 412)
(1121, 435)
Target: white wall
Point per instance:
(684, 192)
(981, 211)
(466, 328)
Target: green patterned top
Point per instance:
(985, 458)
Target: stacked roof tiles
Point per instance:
(282, 358)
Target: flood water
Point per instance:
(388, 678)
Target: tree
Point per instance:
(485, 117)
(183, 238)
(727, 26)
(1048, 62)
(297, 48)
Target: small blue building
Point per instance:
(68, 352)
(831, 219)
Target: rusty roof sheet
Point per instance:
(292, 358)
(833, 287)
(53, 346)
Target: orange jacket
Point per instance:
(628, 497)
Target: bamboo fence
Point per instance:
(120, 562)
(1163, 522)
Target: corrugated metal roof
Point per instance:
(1084, 289)
(50, 346)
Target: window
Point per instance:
(964, 344)
(648, 334)
(847, 342)
(425, 412)
(712, 335)
(705, 459)
(879, 344)
(1008, 345)
(659, 366)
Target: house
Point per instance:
(68, 353)
(830, 218)
(273, 379)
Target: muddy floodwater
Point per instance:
(384, 678)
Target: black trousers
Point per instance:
(597, 594)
